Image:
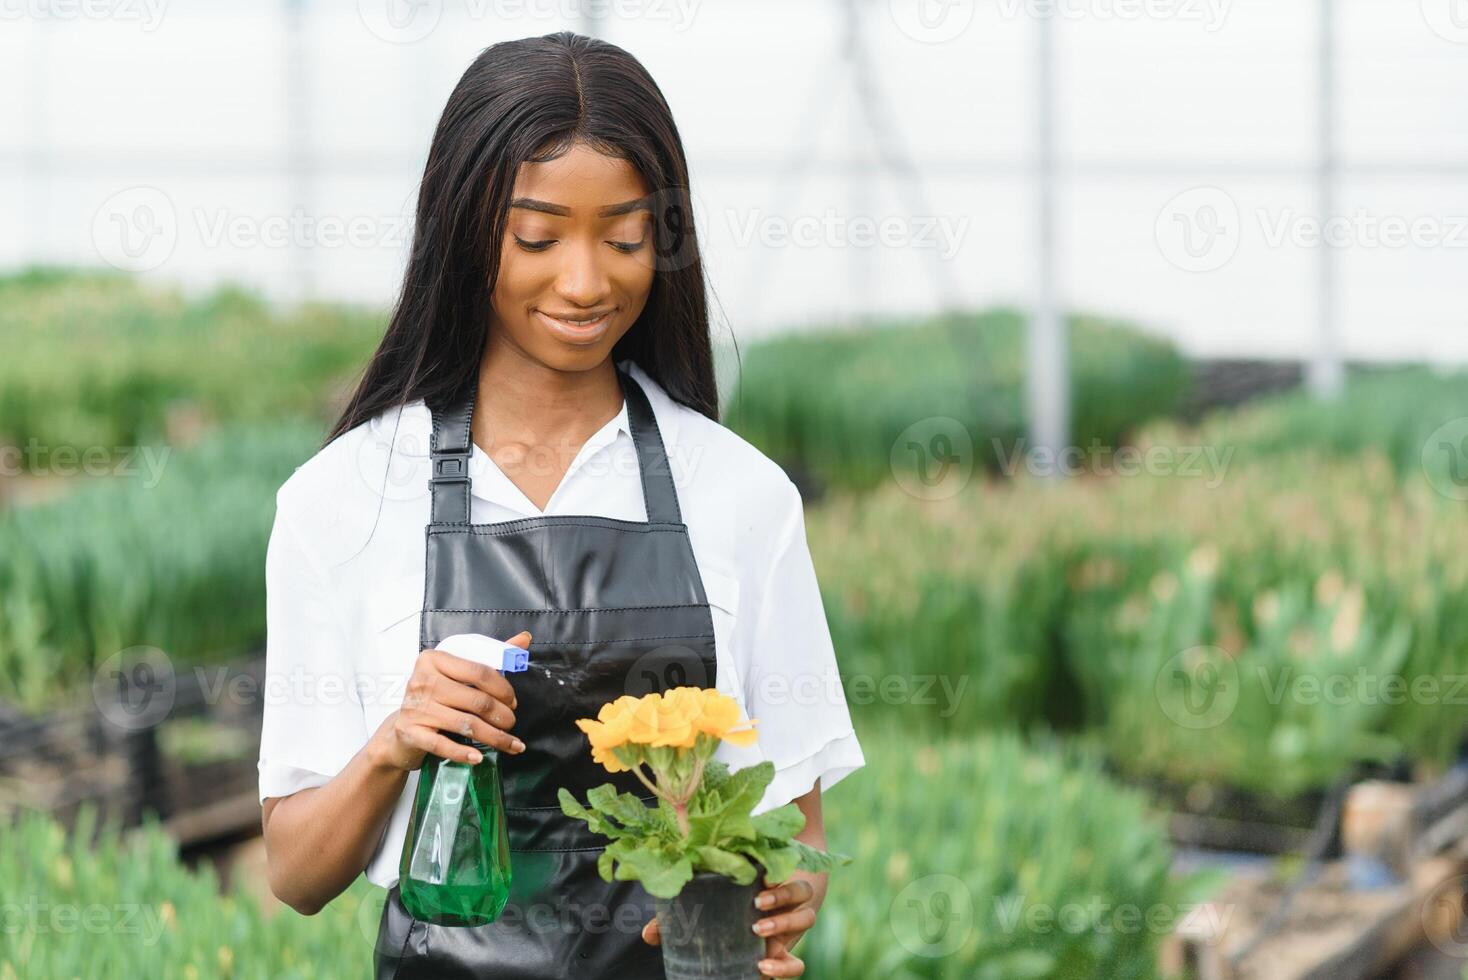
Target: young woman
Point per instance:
(534, 453)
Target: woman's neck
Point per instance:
(523, 402)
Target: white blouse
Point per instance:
(345, 580)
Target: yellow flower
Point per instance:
(659, 721)
(673, 719)
(713, 713)
(609, 730)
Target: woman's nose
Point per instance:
(583, 277)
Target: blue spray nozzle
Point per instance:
(515, 660)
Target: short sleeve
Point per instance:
(793, 688)
(313, 720)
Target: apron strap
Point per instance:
(451, 447)
(658, 493)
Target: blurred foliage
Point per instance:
(98, 361)
(1328, 587)
(123, 905)
(962, 846)
(1391, 411)
(977, 858)
(121, 562)
(836, 403)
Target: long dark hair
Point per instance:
(530, 100)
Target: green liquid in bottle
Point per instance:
(455, 867)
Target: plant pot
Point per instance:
(706, 929)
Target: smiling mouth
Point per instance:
(578, 326)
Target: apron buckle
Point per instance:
(450, 467)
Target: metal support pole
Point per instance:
(1326, 374)
(37, 165)
(1047, 378)
(300, 161)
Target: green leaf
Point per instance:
(724, 815)
(726, 863)
(749, 783)
(662, 872)
(604, 864)
(812, 859)
(625, 808)
(782, 823)
(779, 860)
(715, 775)
(598, 823)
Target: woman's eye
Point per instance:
(543, 245)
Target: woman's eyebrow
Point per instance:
(610, 211)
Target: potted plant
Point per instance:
(698, 851)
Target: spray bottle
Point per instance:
(455, 867)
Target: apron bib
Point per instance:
(613, 607)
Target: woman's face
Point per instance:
(576, 262)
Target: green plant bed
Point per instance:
(98, 362)
(942, 618)
(982, 858)
(1000, 832)
(836, 403)
(1393, 412)
(123, 905)
(1324, 596)
(119, 563)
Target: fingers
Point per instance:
(780, 962)
(521, 639)
(473, 673)
(798, 920)
(453, 694)
(428, 740)
(791, 893)
(651, 934)
(446, 719)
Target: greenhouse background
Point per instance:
(1134, 483)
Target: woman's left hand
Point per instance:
(790, 909)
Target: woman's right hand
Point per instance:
(446, 693)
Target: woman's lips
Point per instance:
(577, 333)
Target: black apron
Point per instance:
(613, 607)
